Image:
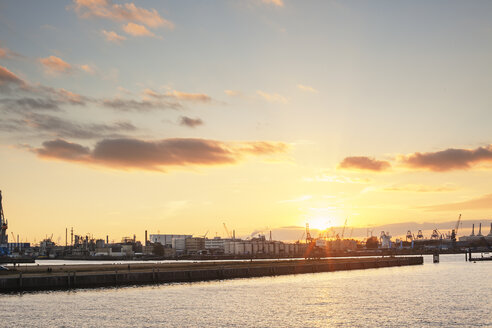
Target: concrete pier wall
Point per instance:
(69, 280)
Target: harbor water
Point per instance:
(452, 293)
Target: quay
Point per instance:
(53, 277)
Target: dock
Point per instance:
(56, 277)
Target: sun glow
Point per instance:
(321, 222)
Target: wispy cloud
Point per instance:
(296, 200)
(45, 125)
(364, 163)
(9, 80)
(278, 3)
(174, 94)
(232, 93)
(337, 179)
(190, 122)
(421, 188)
(307, 88)
(6, 53)
(479, 203)
(155, 155)
(25, 96)
(127, 12)
(88, 69)
(55, 65)
(112, 36)
(272, 97)
(139, 105)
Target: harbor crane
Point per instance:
(302, 236)
(309, 239)
(226, 230)
(4, 237)
(454, 232)
(344, 225)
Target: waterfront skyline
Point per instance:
(120, 117)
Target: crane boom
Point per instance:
(457, 224)
(4, 237)
(344, 225)
(227, 231)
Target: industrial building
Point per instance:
(166, 240)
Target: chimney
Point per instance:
(473, 230)
(480, 229)
(107, 239)
(233, 234)
(145, 238)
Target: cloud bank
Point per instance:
(439, 161)
(479, 203)
(449, 159)
(156, 155)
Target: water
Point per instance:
(453, 293)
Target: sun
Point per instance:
(320, 222)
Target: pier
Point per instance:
(33, 278)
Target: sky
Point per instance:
(178, 116)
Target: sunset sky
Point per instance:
(176, 116)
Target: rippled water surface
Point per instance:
(451, 293)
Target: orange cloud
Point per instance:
(449, 159)
(88, 69)
(307, 88)
(137, 30)
(364, 163)
(8, 54)
(127, 153)
(278, 3)
(200, 97)
(7, 77)
(54, 64)
(272, 97)
(127, 12)
(112, 36)
(421, 188)
(232, 93)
